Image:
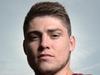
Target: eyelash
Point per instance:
(33, 38)
(54, 36)
(37, 38)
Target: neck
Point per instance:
(65, 71)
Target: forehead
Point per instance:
(44, 23)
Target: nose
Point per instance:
(45, 41)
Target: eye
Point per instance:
(33, 37)
(55, 35)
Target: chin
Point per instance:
(46, 70)
(42, 66)
(45, 66)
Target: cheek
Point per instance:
(61, 48)
(34, 48)
(61, 45)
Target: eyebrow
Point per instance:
(40, 33)
(54, 30)
(34, 32)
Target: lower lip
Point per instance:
(46, 57)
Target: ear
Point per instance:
(25, 47)
(72, 43)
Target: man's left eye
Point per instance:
(55, 36)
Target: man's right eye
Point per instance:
(33, 38)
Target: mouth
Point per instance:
(45, 56)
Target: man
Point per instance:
(48, 41)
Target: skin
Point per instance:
(48, 46)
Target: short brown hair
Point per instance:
(47, 8)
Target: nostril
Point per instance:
(41, 48)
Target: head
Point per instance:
(48, 41)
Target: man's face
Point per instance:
(48, 44)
